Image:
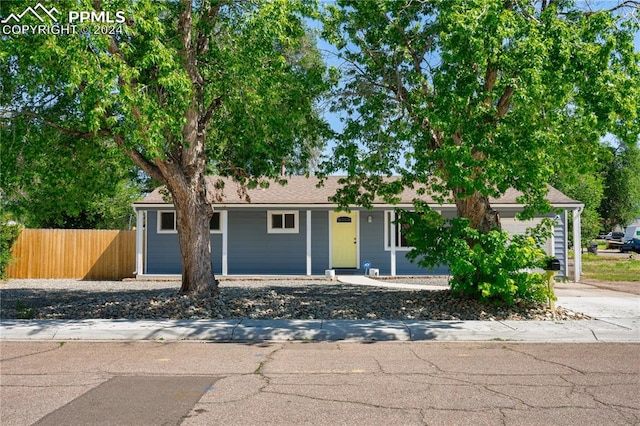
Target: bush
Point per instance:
(494, 267)
(9, 233)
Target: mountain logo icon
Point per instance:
(38, 11)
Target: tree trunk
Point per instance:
(193, 213)
(478, 210)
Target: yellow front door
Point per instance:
(344, 240)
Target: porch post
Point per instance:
(225, 228)
(577, 244)
(392, 242)
(139, 242)
(309, 242)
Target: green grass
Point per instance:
(610, 268)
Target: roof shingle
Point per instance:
(300, 190)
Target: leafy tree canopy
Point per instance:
(184, 88)
(53, 180)
(470, 98)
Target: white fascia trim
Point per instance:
(334, 206)
(287, 206)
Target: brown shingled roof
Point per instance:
(303, 191)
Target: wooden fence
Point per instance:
(74, 253)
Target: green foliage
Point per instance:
(182, 88)
(621, 202)
(250, 73)
(490, 266)
(23, 311)
(587, 188)
(9, 232)
(468, 97)
(53, 180)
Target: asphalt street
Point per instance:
(319, 383)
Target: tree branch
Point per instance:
(505, 101)
(185, 28)
(140, 160)
(634, 4)
(65, 130)
(206, 117)
(202, 44)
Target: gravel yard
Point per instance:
(257, 299)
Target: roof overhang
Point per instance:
(146, 206)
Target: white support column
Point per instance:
(577, 244)
(309, 242)
(139, 242)
(392, 242)
(225, 238)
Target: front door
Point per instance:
(344, 240)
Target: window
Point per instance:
(282, 222)
(214, 223)
(166, 222)
(399, 230)
(390, 229)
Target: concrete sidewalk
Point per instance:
(617, 319)
(366, 281)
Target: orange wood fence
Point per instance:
(74, 253)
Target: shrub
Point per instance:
(494, 266)
(9, 232)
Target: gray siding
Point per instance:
(252, 250)
(163, 250)
(319, 241)
(560, 234)
(372, 249)
(372, 241)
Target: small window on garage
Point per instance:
(282, 222)
(166, 222)
(215, 226)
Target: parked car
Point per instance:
(614, 236)
(631, 245)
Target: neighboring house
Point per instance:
(294, 230)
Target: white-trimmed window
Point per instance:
(167, 222)
(282, 222)
(390, 228)
(398, 229)
(215, 224)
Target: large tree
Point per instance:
(621, 203)
(471, 97)
(182, 88)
